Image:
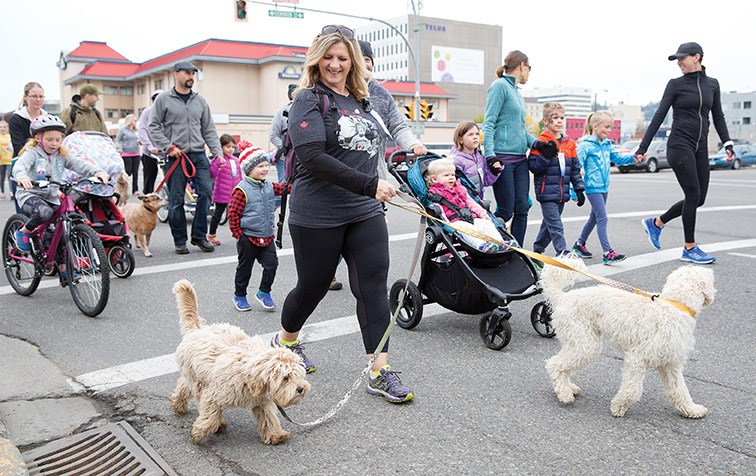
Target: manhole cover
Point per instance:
(115, 449)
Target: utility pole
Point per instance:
(417, 128)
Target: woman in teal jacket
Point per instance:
(506, 142)
(596, 154)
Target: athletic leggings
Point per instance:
(364, 246)
(692, 172)
(3, 170)
(131, 166)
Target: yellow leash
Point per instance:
(538, 256)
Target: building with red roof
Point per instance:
(245, 83)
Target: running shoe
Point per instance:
(265, 300)
(22, 241)
(335, 285)
(297, 348)
(653, 231)
(388, 384)
(697, 255)
(581, 251)
(214, 240)
(241, 304)
(613, 257)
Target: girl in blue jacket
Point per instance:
(596, 154)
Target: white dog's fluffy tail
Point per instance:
(186, 299)
(555, 280)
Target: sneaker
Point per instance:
(696, 255)
(388, 384)
(538, 264)
(241, 304)
(653, 231)
(297, 348)
(22, 241)
(613, 257)
(214, 240)
(335, 285)
(265, 300)
(581, 251)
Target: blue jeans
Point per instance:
(552, 230)
(599, 219)
(203, 184)
(511, 191)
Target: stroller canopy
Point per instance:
(95, 148)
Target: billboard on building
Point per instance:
(457, 65)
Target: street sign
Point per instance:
(283, 14)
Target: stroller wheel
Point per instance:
(121, 261)
(412, 306)
(495, 330)
(540, 317)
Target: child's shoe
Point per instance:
(213, 239)
(265, 300)
(613, 257)
(2, 196)
(241, 304)
(22, 241)
(697, 255)
(388, 384)
(581, 251)
(298, 348)
(653, 231)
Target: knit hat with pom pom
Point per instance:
(251, 157)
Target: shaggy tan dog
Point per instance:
(222, 367)
(142, 219)
(651, 334)
(123, 188)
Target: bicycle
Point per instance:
(87, 274)
(190, 205)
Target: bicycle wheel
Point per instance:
(87, 270)
(162, 213)
(121, 261)
(22, 275)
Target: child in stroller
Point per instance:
(97, 202)
(461, 277)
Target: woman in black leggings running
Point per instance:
(692, 97)
(336, 200)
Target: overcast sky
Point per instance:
(617, 49)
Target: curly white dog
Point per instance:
(222, 367)
(651, 334)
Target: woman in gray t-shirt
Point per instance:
(335, 200)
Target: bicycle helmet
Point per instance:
(46, 122)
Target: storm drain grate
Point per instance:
(115, 449)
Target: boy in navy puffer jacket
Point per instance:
(552, 179)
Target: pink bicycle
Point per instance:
(87, 274)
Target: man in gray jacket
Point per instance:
(181, 123)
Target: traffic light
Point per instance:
(241, 10)
(426, 110)
(409, 111)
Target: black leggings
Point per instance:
(216, 218)
(692, 171)
(150, 167)
(3, 170)
(364, 246)
(131, 166)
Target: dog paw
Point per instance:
(180, 408)
(197, 436)
(566, 397)
(575, 389)
(222, 427)
(148, 255)
(695, 411)
(277, 438)
(618, 409)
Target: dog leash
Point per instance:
(545, 259)
(415, 205)
(183, 159)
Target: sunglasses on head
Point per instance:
(340, 29)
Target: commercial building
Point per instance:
(459, 57)
(740, 113)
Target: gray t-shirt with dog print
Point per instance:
(353, 137)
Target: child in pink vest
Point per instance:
(227, 174)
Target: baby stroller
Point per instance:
(96, 201)
(458, 276)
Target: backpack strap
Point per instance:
(460, 213)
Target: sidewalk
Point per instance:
(37, 403)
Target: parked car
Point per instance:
(745, 154)
(656, 157)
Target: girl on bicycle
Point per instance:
(44, 158)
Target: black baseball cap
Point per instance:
(687, 49)
(184, 66)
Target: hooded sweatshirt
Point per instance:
(595, 158)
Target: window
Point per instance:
(746, 104)
(142, 88)
(110, 90)
(736, 105)
(158, 84)
(126, 91)
(126, 112)
(746, 121)
(111, 113)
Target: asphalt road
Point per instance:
(476, 411)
